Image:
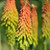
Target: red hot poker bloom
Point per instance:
(10, 20)
(34, 20)
(24, 32)
(46, 19)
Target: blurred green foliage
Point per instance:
(3, 39)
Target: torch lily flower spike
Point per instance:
(10, 20)
(24, 30)
(46, 19)
(34, 21)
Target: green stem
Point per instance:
(11, 47)
(0, 41)
(45, 45)
(33, 48)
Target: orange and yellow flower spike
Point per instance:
(10, 20)
(46, 19)
(34, 21)
(24, 30)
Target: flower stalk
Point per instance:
(45, 44)
(11, 47)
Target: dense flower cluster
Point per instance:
(34, 21)
(24, 30)
(46, 19)
(10, 20)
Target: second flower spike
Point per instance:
(34, 21)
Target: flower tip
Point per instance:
(33, 6)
